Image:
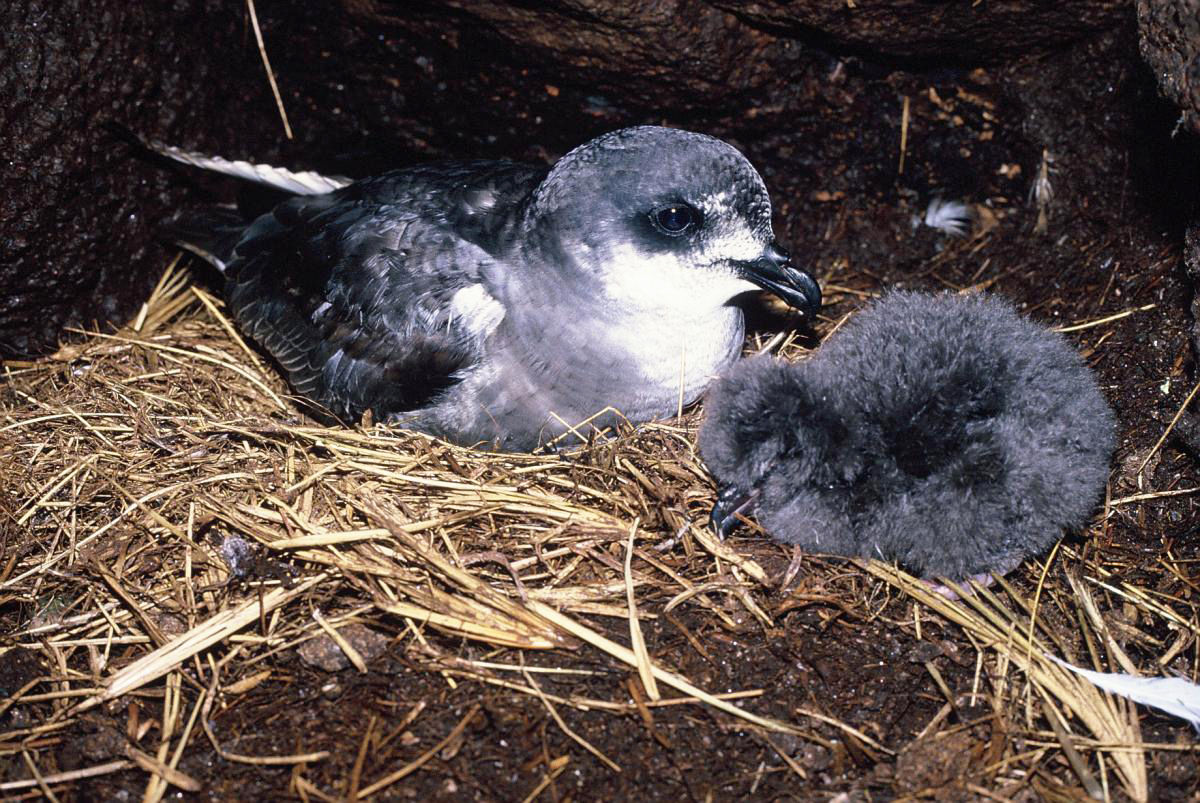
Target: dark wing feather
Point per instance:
(350, 291)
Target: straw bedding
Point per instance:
(174, 525)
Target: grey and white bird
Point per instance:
(947, 433)
(503, 304)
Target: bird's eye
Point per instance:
(677, 219)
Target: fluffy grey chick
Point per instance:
(947, 433)
(502, 304)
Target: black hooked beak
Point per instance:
(774, 273)
(731, 502)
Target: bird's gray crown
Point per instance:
(646, 165)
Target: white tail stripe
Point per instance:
(304, 182)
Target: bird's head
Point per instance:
(661, 216)
(776, 428)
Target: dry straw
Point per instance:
(174, 519)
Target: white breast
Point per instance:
(680, 328)
(680, 354)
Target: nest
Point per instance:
(174, 529)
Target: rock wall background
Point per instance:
(370, 84)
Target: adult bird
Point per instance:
(502, 304)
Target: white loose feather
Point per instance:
(952, 218)
(1175, 696)
(305, 182)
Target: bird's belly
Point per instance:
(516, 400)
(678, 360)
(636, 374)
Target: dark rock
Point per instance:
(1191, 264)
(324, 653)
(941, 762)
(1169, 35)
(675, 54)
(671, 54)
(373, 84)
(1187, 429)
(76, 243)
(102, 743)
(1169, 31)
(956, 30)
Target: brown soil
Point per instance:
(135, 464)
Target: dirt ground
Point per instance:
(158, 479)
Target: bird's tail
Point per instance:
(303, 182)
(295, 182)
(210, 234)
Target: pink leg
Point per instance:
(956, 591)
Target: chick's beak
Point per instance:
(774, 272)
(731, 503)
